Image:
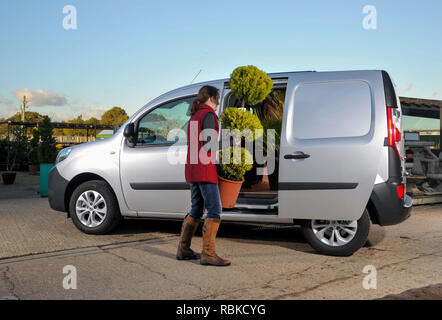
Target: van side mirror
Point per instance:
(129, 133)
(129, 130)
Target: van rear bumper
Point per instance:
(56, 190)
(387, 208)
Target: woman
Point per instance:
(203, 179)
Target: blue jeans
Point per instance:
(205, 195)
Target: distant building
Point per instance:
(423, 116)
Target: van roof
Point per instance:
(209, 82)
(271, 75)
(274, 75)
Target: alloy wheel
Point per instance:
(91, 208)
(334, 233)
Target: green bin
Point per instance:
(44, 178)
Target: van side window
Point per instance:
(332, 110)
(155, 126)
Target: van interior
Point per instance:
(260, 192)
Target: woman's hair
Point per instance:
(205, 93)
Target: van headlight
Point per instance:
(63, 154)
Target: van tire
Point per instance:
(359, 239)
(113, 215)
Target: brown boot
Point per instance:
(190, 224)
(209, 256)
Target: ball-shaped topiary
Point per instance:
(234, 118)
(238, 164)
(250, 84)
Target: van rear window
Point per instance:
(331, 110)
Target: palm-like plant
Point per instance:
(272, 107)
(270, 113)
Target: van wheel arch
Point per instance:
(76, 181)
(372, 212)
(370, 207)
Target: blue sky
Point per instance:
(126, 52)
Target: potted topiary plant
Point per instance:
(233, 164)
(33, 152)
(15, 150)
(47, 152)
(251, 86)
(242, 125)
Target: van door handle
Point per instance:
(297, 155)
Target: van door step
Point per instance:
(257, 200)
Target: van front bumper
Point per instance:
(389, 209)
(56, 190)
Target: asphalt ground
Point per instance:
(137, 261)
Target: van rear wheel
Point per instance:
(93, 208)
(337, 237)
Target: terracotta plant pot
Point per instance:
(228, 191)
(33, 168)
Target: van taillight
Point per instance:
(394, 134)
(400, 191)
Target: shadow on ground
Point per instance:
(289, 237)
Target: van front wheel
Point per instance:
(337, 237)
(93, 207)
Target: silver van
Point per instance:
(341, 163)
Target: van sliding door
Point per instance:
(330, 146)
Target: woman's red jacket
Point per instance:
(200, 165)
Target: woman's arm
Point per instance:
(208, 123)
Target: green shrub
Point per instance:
(234, 118)
(250, 84)
(47, 151)
(18, 148)
(33, 147)
(237, 166)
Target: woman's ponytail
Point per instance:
(195, 106)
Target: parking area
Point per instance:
(137, 261)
